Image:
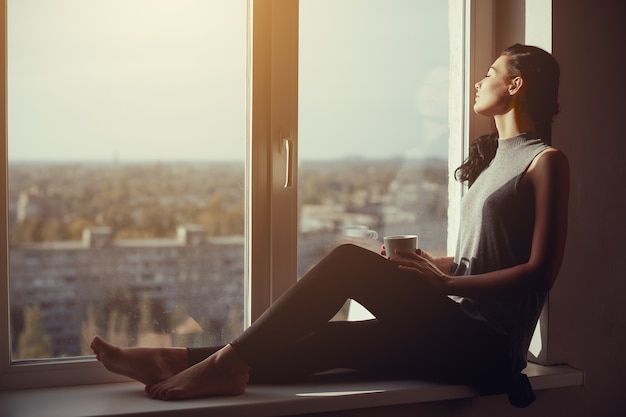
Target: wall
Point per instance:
(588, 312)
(588, 302)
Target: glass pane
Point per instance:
(126, 173)
(373, 124)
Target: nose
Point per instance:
(477, 85)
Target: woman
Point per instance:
(467, 318)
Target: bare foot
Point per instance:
(146, 365)
(223, 373)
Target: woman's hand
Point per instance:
(443, 263)
(423, 266)
(383, 252)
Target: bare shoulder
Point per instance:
(549, 165)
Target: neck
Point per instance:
(513, 123)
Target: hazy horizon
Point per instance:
(96, 161)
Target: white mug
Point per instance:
(400, 242)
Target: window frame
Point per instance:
(272, 116)
(271, 222)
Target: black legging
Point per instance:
(417, 331)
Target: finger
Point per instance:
(408, 268)
(408, 254)
(406, 263)
(413, 270)
(398, 261)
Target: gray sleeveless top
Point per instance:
(497, 218)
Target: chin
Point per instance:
(483, 111)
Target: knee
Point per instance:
(348, 251)
(355, 255)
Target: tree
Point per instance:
(89, 329)
(120, 307)
(152, 328)
(118, 329)
(33, 342)
(234, 323)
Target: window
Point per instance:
(279, 141)
(373, 128)
(126, 197)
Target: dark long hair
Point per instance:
(541, 73)
(479, 156)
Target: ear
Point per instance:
(515, 85)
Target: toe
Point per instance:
(152, 391)
(167, 394)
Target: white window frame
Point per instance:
(271, 255)
(272, 152)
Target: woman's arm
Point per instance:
(548, 176)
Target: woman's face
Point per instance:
(493, 95)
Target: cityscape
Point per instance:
(152, 254)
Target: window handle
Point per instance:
(289, 153)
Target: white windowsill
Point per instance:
(128, 399)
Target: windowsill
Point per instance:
(128, 398)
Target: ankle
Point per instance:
(228, 361)
(175, 358)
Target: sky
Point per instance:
(165, 80)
